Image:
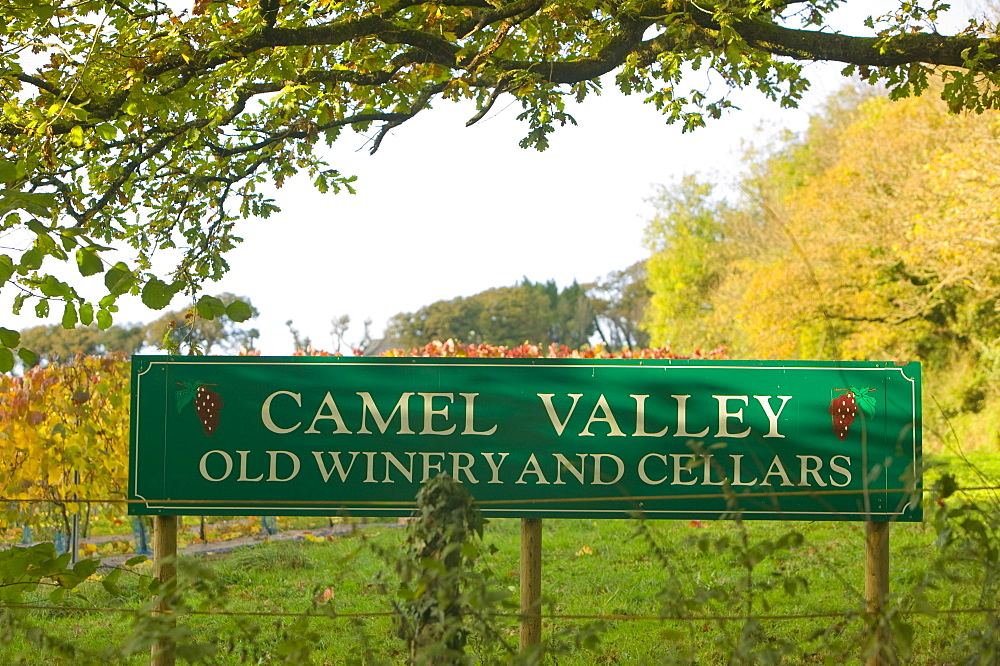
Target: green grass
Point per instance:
(591, 568)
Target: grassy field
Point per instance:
(735, 584)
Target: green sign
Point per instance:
(528, 437)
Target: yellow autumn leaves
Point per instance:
(874, 236)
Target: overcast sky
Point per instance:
(443, 210)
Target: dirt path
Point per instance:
(214, 547)
(198, 547)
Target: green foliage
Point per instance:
(968, 549)
(758, 580)
(24, 572)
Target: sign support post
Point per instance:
(165, 570)
(531, 582)
(877, 590)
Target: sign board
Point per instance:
(528, 437)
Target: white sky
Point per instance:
(443, 210)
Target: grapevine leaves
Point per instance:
(66, 417)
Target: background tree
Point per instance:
(573, 314)
(509, 316)
(872, 237)
(620, 300)
(686, 238)
(299, 342)
(338, 332)
(132, 124)
(54, 343)
(441, 320)
(187, 330)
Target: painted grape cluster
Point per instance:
(844, 408)
(207, 404)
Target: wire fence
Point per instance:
(330, 614)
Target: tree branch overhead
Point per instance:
(101, 100)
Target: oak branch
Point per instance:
(155, 124)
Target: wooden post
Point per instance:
(165, 570)
(74, 533)
(531, 582)
(877, 591)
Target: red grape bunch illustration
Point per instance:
(844, 408)
(207, 403)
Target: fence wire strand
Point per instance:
(513, 616)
